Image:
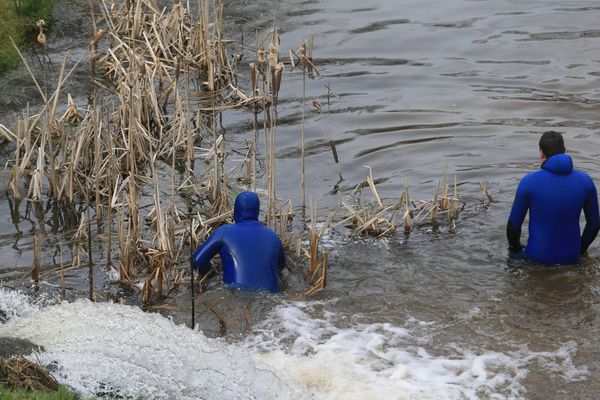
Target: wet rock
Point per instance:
(10, 347)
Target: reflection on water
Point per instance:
(407, 86)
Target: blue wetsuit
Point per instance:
(251, 253)
(554, 196)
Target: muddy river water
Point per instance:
(413, 85)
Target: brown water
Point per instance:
(417, 84)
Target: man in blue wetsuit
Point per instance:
(251, 253)
(554, 196)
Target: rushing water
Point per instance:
(415, 84)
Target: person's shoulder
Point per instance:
(584, 177)
(579, 174)
(530, 177)
(534, 174)
(221, 230)
(271, 232)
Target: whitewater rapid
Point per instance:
(301, 351)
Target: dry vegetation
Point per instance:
(371, 216)
(163, 77)
(19, 372)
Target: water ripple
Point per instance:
(399, 143)
(386, 129)
(379, 25)
(467, 23)
(566, 35)
(544, 123)
(372, 61)
(527, 62)
(353, 74)
(300, 13)
(534, 94)
(314, 147)
(578, 9)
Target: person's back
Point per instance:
(251, 253)
(555, 197)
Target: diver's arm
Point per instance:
(516, 218)
(514, 237)
(209, 248)
(592, 219)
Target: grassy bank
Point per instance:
(21, 394)
(17, 20)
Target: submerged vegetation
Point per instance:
(18, 21)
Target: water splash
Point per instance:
(15, 304)
(302, 351)
(120, 351)
(382, 361)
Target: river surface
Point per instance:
(413, 85)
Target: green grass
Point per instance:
(17, 20)
(20, 394)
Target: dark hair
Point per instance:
(552, 143)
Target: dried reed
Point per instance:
(147, 64)
(19, 372)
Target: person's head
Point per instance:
(551, 143)
(247, 207)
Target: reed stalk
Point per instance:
(302, 156)
(193, 319)
(35, 273)
(105, 157)
(90, 262)
(63, 292)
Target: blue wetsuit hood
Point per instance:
(247, 207)
(559, 164)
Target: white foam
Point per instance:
(15, 304)
(381, 361)
(116, 349)
(303, 350)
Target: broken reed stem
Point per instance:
(15, 178)
(435, 202)
(444, 201)
(193, 319)
(62, 276)
(97, 164)
(272, 193)
(90, 264)
(35, 273)
(217, 165)
(253, 151)
(247, 323)
(222, 322)
(486, 192)
(313, 239)
(302, 177)
(455, 188)
(110, 225)
(41, 92)
(336, 159)
(325, 268)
